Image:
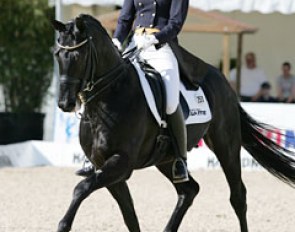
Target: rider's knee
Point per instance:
(170, 109)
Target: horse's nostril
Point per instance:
(72, 105)
(61, 104)
(66, 106)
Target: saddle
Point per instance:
(192, 70)
(193, 102)
(157, 86)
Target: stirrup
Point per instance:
(179, 171)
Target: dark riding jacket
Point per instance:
(166, 15)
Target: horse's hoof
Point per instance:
(63, 227)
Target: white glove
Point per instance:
(147, 41)
(117, 43)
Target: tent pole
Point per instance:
(58, 13)
(239, 63)
(226, 58)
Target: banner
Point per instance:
(278, 115)
(41, 153)
(65, 150)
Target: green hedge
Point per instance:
(26, 61)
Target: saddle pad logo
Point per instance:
(194, 112)
(199, 111)
(198, 98)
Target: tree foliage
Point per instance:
(26, 62)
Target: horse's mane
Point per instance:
(92, 24)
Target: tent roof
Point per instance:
(198, 21)
(263, 6)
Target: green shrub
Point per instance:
(26, 62)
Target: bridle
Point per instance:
(70, 48)
(86, 93)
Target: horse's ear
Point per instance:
(59, 26)
(80, 24)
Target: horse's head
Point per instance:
(77, 56)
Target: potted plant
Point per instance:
(26, 65)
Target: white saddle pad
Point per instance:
(199, 111)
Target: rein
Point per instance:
(102, 84)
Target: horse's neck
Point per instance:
(108, 60)
(120, 95)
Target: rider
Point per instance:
(155, 23)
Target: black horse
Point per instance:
(118, 132)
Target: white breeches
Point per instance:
(164, 61)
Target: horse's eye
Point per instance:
(56, 51)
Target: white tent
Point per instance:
(263, 6)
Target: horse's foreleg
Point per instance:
(113, 171)
(120, 192)
(186, 193)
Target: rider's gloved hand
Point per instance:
(117, 43)
(147, 41)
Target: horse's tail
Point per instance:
(273, 157)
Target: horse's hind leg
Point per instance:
(186, 193)
(120, 192)
(226, 144)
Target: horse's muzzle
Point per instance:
(67, 96)
(67, 106)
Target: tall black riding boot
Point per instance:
(177, 131)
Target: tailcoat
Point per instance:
(166, 15)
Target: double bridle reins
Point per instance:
(103, 82)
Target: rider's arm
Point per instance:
(178, 13)
(125, 20)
